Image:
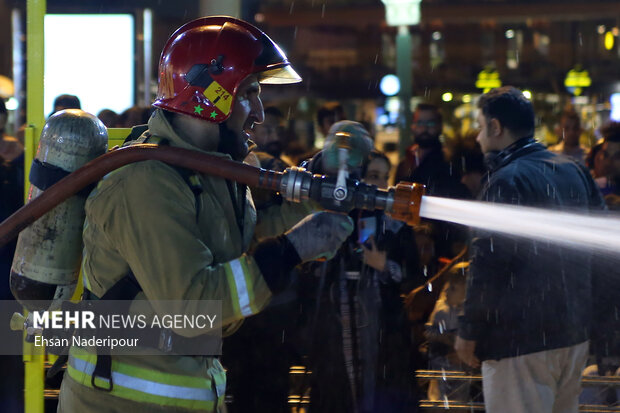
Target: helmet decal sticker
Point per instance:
(219, 96)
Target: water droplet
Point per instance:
(430, 287)
(290, 10)
(323, 11)
(491, 243)
(425, 270)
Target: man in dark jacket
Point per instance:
(528, 302)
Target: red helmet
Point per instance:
(205, 60)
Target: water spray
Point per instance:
(598, 230)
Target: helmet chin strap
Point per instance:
(231, 143)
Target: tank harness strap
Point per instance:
(43, 175)
(125, 289)
(164, 339)
(137, 135)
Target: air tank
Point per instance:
(47, 259)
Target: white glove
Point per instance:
(320, 235)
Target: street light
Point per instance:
(403, 13)
(389, 85)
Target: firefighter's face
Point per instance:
(247, 110)
(229, 137)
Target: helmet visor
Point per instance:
(279, 76)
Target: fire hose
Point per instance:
(401, 202)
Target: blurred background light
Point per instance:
(12, 104)
(615, 107)
(390, 85)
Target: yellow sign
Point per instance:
(219, 97)
(609, 41)
(487, 80)
(576, 80)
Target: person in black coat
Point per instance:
(528, 302)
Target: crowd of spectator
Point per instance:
(346, 320)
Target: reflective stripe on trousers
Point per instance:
(146, 386)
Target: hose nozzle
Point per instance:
(406, 204)
(401, 202)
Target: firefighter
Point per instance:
(184, 236)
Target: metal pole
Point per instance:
(35, 57)
(404, 73)
(34, 382)
(18, 66)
